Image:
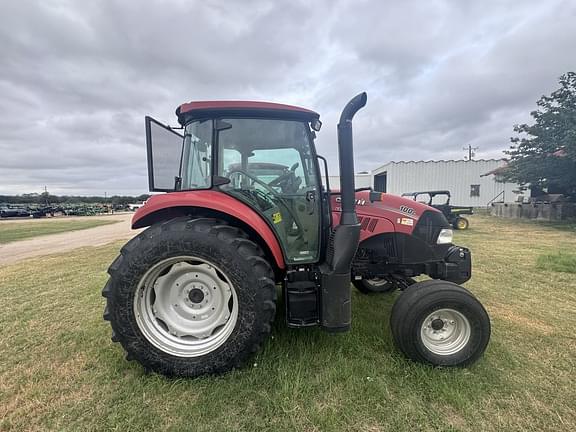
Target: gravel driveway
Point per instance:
(63, 242)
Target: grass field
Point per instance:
(60, 371)
(13, 231)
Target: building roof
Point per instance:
(437, 161)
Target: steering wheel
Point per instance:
(260, 182)
(276, 194)
(285, 176)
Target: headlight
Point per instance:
(445, 236)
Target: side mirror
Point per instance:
(316, 125)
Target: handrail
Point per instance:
(494, 199)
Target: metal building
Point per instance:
(360, 181)
(466, 180)
(469, 182)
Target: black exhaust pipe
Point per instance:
(346, 154)
(336, 306)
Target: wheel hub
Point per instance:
(186, 306)
(445, 332)
(437, 324)
(196, 295)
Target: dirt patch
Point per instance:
(64, 242)
(516, 318)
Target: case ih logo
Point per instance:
(407, 210)
(358, 201)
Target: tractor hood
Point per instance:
(393, 203)
(402, 213)
(369, 201)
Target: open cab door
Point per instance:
(164, 150)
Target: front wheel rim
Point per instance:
(186, 306)
(377, 282)
(445, 332)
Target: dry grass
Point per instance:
(59, 370)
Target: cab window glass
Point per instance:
(196, 166)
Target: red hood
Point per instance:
(390, 203)
(397, 204)
(391, 213)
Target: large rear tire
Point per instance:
(190, 297)
(440, 323)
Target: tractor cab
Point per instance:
(262, 154)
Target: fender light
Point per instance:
(445, 237)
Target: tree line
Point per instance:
(49, 199)
(543, 154)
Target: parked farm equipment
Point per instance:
(195, 293)
(14, 212)
(452, 213)
(65, 209)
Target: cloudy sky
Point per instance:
(78, 77)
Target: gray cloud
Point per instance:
(77, 79)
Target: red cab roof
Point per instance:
(191, 110)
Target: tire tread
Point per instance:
(248, 252)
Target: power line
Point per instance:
(471, 152)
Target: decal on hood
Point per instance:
(360, 201)
(408, 210)
(406, 221)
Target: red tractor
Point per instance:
(245, 209)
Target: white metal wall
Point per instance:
(361, 180)
(455, 176)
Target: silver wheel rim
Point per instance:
(445, 332)
(186, 306)
(377, 282)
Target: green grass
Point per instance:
(14, 231)
(560, 261)
(60, 371)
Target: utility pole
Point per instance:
(471, 152)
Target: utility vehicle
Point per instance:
(453, 213)
(244, 210)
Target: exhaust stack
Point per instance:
(336, 310)
(346, 155)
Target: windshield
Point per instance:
(271, 166)
(271, 156)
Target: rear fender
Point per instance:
(213, 204)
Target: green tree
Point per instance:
(544, 153)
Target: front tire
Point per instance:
(461, 223)
(190, 297)
(440, 323)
